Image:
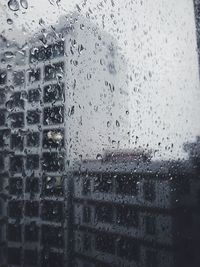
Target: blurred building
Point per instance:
(129, 211)
(38, 98)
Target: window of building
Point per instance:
(3, 77)
(127, 216)
(15, 186)
(31, 232)
(126, 184)
(16, 164)
(53, 162)
(16, 100)
(32, 162)
(14, 232)
(52, 211)
(54, 71)
(1, 162)
(34, 95)
(17, 120)
(151, 258)
(53, 138)
(31, 208)
(4, 134)
(2, 117)
(86, 186)
(32, 185)
(128, 249)
(15, 208)
(14, 256)
(105, 242)
(18, 78)
(17, 141)
(52, 236)
(150, 225)
(86, 214)
(54, 92)
(34, 75)
(104, 213)
(103, 183)
(149, 191)
(87, 242)
(33, 116)
(33, 139)
(53, 115)
(52, 259)
(53, 186)
(30, 257)
(2, 96)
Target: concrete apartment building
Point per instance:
(130, 212)
(40, 85)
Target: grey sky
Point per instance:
(158, 41)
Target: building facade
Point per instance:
(135, 213)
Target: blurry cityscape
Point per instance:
(120, 209)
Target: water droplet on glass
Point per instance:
(13, 5)
(9, 54)
(24, 4)
(9, 21)
(99, 157)
(117, 123)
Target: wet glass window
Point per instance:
(33, 116)
(31, 208)
(53, 138)
(34, 75)
(33, 139)
(34, 95)
(30, 257)
(52, 211)
(150, 225)
(31, 232)
(54, 71)
(103, 183)
(18, 78)
(14, 255)
(53, 115)
(14, 232)
(2, 96)
(105, 243)
(15, 186)
(86, 186)
(45, 53)
(32, 185)
(3, 77)
(32, 162)
(53, 185)
(86, 214)
(2, 117)
(53, 162)
(128, 249)
(151, 258)
(149, 191)
(17, 120)
(16, 164)
(54, 92)
(127, 216)
(52, 235)
(17, 141)
(16, 100)
(15, 209)
(104, 213)
(52, 259)
(99, 133)
(126, 185)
